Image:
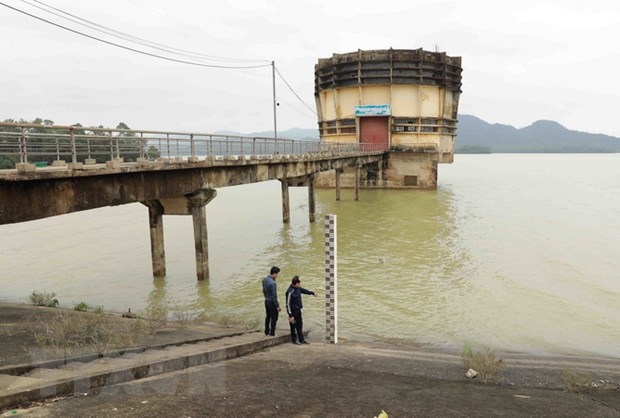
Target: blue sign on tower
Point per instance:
(373, 110)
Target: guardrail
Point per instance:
(31, 143)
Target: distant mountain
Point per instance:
(543, 136)
(293, 133)
(474, 135)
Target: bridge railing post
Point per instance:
(23, 147)
(142, 153)
(111, 146)
(73, 149)
(118, 149)
(57, 148)
(168, 145)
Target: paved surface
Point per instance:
(350, 379)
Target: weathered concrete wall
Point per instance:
(25, 197)
(405, 169)
(422, 88)
(400, 171)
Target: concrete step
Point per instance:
(105, 364)
(9, 384)
(50, 374)
(129, 356)
(74, 365)
(77, 377)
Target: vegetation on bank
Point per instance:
(44, 299)
(89, 328)
(485, 362)
(85, 307)
(574, 381)
(69, 332)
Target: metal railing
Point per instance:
(46, 143)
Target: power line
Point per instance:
(130, 48)
(295, 93)
(146, 43)
(301, 111)
(128, 37)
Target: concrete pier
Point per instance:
(191, 204)
(198, 201)
(286, 208)
(338, 184)
(156, 227)
(311, 199)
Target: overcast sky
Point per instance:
(522, 60)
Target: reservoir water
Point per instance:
(518, 252)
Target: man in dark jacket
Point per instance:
(272, 307)
(294, 307)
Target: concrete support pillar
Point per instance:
(201, 243)
(156, 226)
(311, 199)
(357, 183)
(197, 203)
(302, 181)
(337, 184)
(286, 208)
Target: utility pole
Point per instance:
(273, 75)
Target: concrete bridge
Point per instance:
(172, 173)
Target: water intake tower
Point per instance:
(402, 101)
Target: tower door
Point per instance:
(375, 130)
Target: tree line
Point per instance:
(46, 143)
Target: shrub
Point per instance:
(182, 318)
(156, 317)
(485, 362)
(81, 307)
(573, 381)
(44, 299)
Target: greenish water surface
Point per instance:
(517, 252)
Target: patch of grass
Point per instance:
(156, 317)
(574, 381)
(182, 318)
(69, 331)
(231, 321)
(488, 365)
(251, 323)
(44, 299)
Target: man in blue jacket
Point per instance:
(272, 307)
(294, 307)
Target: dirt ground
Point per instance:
(350, 380)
